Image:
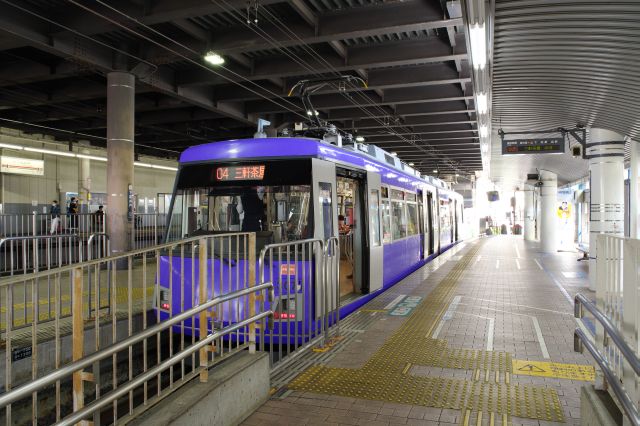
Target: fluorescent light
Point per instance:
(8, 146)
(359, 138)
(411, 164)
(484, 131)
(173, 169)
(481, 103)
(395, 154)
(50, 151)
(478, 41)
(484, 148)
(435, 170)
(457, 174)
(139, 164)
(309, 113)
(91, 157)
(213, 58)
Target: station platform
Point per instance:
(482, 335)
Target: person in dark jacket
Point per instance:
(54, 211)
(73, 212)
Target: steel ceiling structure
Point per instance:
(55, 55)
(560, 63)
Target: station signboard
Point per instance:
(21, 166)
(553, 145)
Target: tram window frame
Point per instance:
(412, 219)
(397, 194)
(398, 224)
(385, 205)
(374, 218)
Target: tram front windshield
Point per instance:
(270, 206)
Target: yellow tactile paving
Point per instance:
(387, 375)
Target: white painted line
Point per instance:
(538, 263)
(373, 314)
(517, 264)
(523, 306)
(490, 334)
(478, 258)
(435, 333)
(543, 345)
(447, 315)
(517, 251)
(497, 263)
(395, 301)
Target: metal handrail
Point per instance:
(610, 329)
(90, 240)
(28, 388)
(25, 277)
(613, 381)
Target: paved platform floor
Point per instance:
(490, 342)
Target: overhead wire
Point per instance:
(285, 29)
(198, 64)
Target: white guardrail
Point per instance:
(616, 314)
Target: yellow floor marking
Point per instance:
(554, 369)
(492, 420)
(467, 414)
(504, 420)
(382, 378)
(507, 378)
(479, 420)
(407, 368)
(477, 377)
(497, 377)
(373, 310)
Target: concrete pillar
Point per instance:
(120, 134)
(548, 207)
(634, 189)
(529, 214)
(84, 182)
(605, 150)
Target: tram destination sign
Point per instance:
(553, 145)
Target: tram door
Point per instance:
(325, 215)
(375, 232)
(421, 225)
(431, 230)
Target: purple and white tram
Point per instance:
(390, 220)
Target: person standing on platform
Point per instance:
(54, 211)
(99, 214)
(73, 212)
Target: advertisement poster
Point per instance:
(565, 219)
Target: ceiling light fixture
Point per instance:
(395, 154)
(481, 103)
(213, 58)
(484, 131)
(359, 138)
(435, 170)
(411, 164)
(478, 39)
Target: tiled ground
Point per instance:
(510, 298)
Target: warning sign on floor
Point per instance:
(554, 369)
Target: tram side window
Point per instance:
(326, 209)
(386, 222)
(374, 217)
(412, 219)
(399, 220)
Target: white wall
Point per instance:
(61, 174)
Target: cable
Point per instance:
(88, 9)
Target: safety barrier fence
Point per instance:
(148, 230)
(120, 333)
(305, 275)
(617, 320)
(116, 362)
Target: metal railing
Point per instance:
(162, 329)
(33, 253)
(617, 320)
(611, 380)
(148, 229)
(306, 287)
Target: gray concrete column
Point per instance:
(634, 189)
(548, 206)
(529, 214)
(84, 182)
(605, 150)
(120, 134)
